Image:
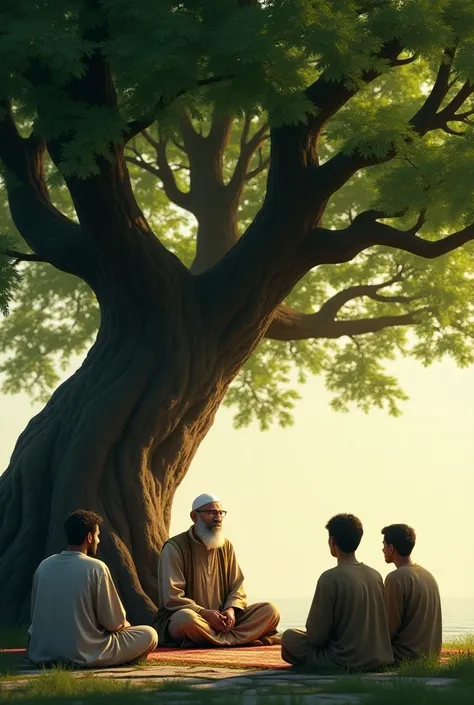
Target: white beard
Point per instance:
(211, 538)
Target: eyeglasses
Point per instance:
(213, 513)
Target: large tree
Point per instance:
(77, 87)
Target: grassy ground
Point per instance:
(61, 687)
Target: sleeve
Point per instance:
(393, 605)
(236, 597)
(171, 581)
(321, 614)
(109, 609)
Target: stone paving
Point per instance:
(279, 687)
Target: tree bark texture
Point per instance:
(116, 438)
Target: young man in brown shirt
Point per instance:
(412, 598)
(347, 624)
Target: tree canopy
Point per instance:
(362, 109)
(214, 100)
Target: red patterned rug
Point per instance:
(267, 657)
(258, 657)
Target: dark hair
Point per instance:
(346, 530)
(401, 536)
(79, 524)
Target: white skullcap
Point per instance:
(204, 499)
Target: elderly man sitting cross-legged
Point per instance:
(76, 614)
(201, 597)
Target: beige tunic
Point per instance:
(414, 612)
(208, 589)
(77, 615)
(347, 624)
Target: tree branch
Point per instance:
(324, 246)
(136, 126)
(330, 96)
(105, 202)
(22, 256)
(220, 131)
(162, 170)
(428, 118)
(337, 171)
(50, 234)
(288, 325)
(147, 166)
(171, 188)
(245, 129)
(263, 164)
(248, 147)
(439, 90)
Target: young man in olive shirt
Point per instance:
(412, 598)
(347, 624)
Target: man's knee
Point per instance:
(145, 637)
(150, 637)
(294, 645)
(181, 622)
(133, 643)
(273, 610)
(287, 638)
(270, 611)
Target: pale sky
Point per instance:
(280, 487)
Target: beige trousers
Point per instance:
(124, 646)
(251, 623)
(130, 644)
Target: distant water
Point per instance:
(458, 614)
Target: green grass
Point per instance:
(457, 667)
(463, 643)
(62, 687)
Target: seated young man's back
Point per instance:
(412, 598)
(347, 623)
(347, 618)
(76, 614)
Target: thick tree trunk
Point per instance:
(116, 438)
